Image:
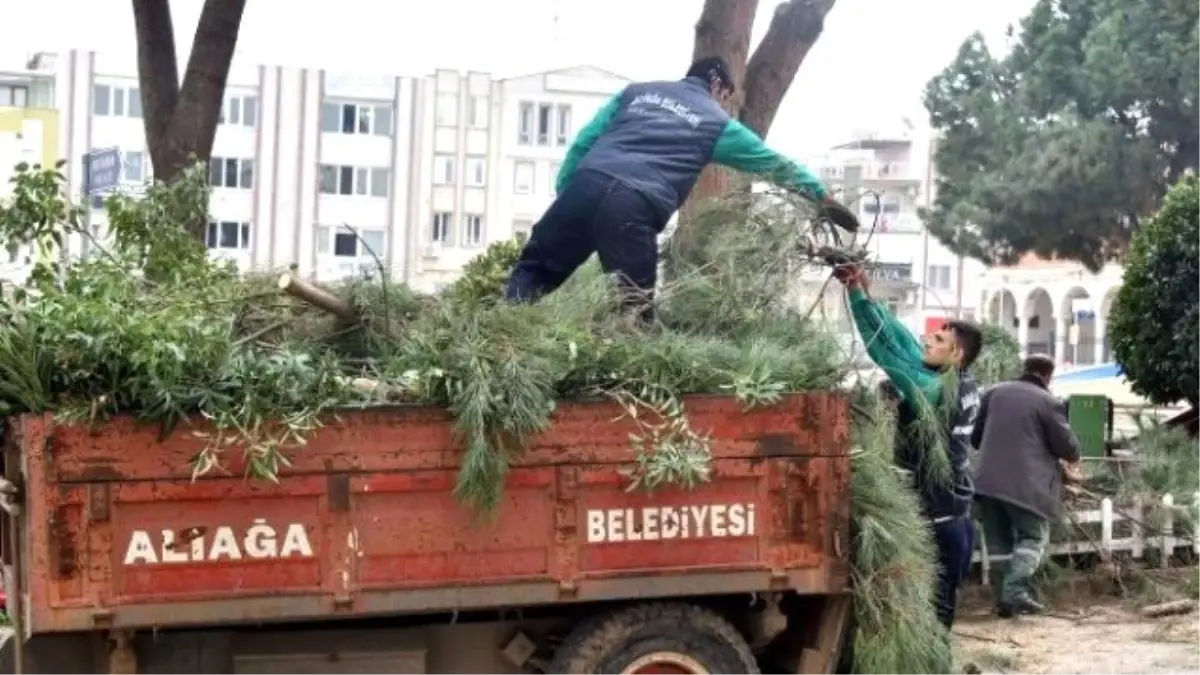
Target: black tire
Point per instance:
(613, 642)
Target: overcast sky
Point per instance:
(867, 70)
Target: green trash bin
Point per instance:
(1090, 417)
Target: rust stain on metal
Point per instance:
(775, 445)
(98, 497)
(186, 536)
(339, 492)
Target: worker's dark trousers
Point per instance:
(955, 539)
(594, 214)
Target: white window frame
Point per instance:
(562, 124)
(936, 274)
(213, 236)
(243, 167)
(366, 118)
(544, 132)
(473, 233)
(327, 237)
(14, 95)
(476, 171)
(234, 111)
(446, 112)
(478, 112)
(525, 123)
(440, 227)
(520, 187)
(444, 169)
(131, 159)
(522, 229)
(354, 181)
(122, 101)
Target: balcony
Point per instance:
(872, 171)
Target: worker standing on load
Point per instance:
(632, 167)
(922, 373)
(1023, 437)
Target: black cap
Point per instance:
(711, 68)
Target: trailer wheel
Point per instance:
(655, 638)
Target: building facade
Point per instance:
(886, 177)
(29, 127)
(1054, 307)
(331, 171)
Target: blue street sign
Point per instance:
(102, 170)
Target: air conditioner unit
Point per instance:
(433, 249)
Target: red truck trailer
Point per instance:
(360, 560)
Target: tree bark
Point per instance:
(793, 31)
(724, 30)
(181, 122)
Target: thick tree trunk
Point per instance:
(793, 31)
(180, 122)
(724, 30)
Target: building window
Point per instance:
(230, 172)
(522, 230)
(355, 180)
(443, 169)
(133, 166)
(228, 235)
(441, 228)
(938, 277)
(240, 111)
(523, 178)
(344, 243)
(476, 171)
(525, 124)
(116, 101)
(545, 112)
(562, 129)
(472, 229)
(14, 96)
(356, 118)
(478, 112)
(101, 99)
(447, 110)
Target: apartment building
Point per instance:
(886, 177)
(329, 171)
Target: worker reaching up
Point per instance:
(632, 167)
(918, 370)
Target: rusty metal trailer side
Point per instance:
(116, 535)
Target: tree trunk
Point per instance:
(724, 30)
(793, 31)
(181, 123)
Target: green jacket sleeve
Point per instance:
(740, 148)
(894, 349)
(585, 139)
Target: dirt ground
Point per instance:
(1106, 637)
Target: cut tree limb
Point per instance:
(1168, 608)
(317, 297)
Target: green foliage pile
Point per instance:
(1061, 146)
(146, 325)
(1155, 322)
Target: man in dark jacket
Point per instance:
(632, 167)
(1022, 436)
(931, 378)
